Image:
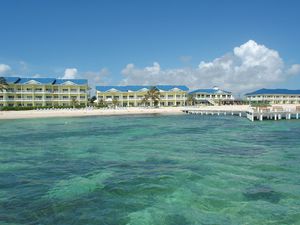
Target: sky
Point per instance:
(237, 45)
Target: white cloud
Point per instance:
(70, 73)
(97, 78)
(247, 67)
(294, 69)
(4, 68)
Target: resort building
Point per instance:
(274, 96)
(211, 96)
(44, 92)
(126, 96)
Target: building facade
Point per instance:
(132, 96)
(44, 92)
(211, 96)
(274, 96)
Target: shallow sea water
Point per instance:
(142, 170)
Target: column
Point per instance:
(44, 95)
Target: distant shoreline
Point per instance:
(30, 114)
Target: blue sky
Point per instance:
(99, 39)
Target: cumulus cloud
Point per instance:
(247, 67)
(70, 73)
(4, 68)
(96, 78)
(294, 69)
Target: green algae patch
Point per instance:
(78, 186)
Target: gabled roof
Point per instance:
(36, 80)
(130, 88)
(50, 81)
(11, 80)
(74, 81)
(210, 91)
(275, 91)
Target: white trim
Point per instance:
(68, 83)
(32, 82)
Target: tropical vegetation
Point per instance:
(74, 102)
(191, 100)
(3, 84)
(152, 97)
(115, 102)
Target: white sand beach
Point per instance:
(109, 112)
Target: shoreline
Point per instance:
(32, 114)
(52, 113)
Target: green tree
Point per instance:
(91, 101)
(102, 104)
(3, 84)
(115, 102)
(74, 102)
(152, 96)
(191, 100)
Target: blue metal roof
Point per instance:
(275, 91)
(75, 81)
(39, 80)
(210, 91)
(139, 87)
(11, 80)
(20, 80)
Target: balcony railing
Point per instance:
(36, 100)
(43, 92)
(140, 99)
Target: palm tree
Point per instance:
(153, 95)
(115, 102)
(74, 102)
(102, 104)
(3, 84)
(191, 100)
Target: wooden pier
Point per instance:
(253, 115)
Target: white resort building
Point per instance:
(211, 96)
(274, 96)
(44, 92)
(126, 96)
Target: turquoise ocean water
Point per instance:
(141, 170)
